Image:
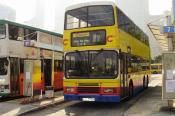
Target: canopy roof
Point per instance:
(30, 27)
(156, 27)
(159, 36)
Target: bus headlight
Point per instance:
(70, 90)
(2, 80)
(108, 90)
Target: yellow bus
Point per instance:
(156, 68)
(107, 56)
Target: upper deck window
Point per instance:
(2, 31)
(16, 33)
(19, 33)
(90, 16)
(130, 27)
(30, 34)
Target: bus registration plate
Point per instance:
(88, 99)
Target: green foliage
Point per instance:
(157, 59)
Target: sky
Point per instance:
(49, 14)
(157, 7)
(26, 9)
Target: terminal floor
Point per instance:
(147, 103)
(13, 107)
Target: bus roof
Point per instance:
(89, 4)
(29, 27)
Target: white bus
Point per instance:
(21, 43)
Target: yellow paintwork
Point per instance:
(120, 41)
(101, 82)
(137, 48)
(37, 71)
(158, 70)
(109, 45)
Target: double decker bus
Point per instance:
(20, 43)
(107, 56)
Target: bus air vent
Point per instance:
(86, 90)
(88, 84)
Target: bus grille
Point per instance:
(92, 90)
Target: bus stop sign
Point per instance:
(168, 29)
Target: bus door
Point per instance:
(58, 74)
(123, 75)
(32, 77)
(47, 72)
(14, 76)
(21, 77)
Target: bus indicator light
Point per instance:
(65, 42)
(110, 38)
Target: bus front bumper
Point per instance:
(94, 98)
(4, 95)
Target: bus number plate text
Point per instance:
(88, 99)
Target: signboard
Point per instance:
(29, 43)
(168, 87)
(168, 29)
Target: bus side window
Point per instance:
(121, 63)
(21, 66)
(30, 34)
(58, 65)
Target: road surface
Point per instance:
(147, 103)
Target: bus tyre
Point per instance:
(147, 81)
(130, 89)
(144, 83)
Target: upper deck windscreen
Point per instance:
(89, 16)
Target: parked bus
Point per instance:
(19, 43)
(107, 56)
(156, 68)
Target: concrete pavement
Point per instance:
(13, 107)
(147, 103)
(151, 104)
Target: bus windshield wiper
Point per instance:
(82, 64)
(96, 55)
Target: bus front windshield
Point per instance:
(91, 64)
(89, 16)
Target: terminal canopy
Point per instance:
(156, 27)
